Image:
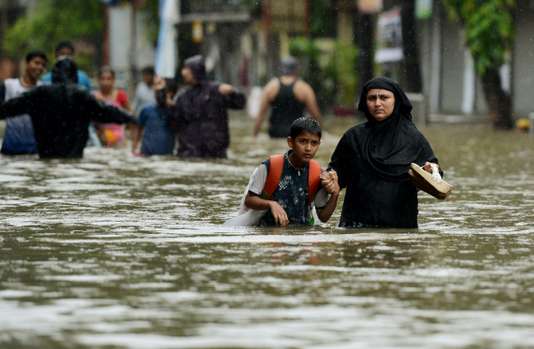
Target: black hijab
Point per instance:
(392, 144)
(198, 67)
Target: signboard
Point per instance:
(288, 16)
(389, 37)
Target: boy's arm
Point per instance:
(255, 202)
(138, 131)
(329, 181)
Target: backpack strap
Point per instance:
(314, 179)
(274, 172)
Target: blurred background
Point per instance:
(460, 60)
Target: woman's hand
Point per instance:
(330, 182)
(428, 166)
(279, 214)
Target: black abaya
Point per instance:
(372, 161)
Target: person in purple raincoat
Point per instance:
(201, 112)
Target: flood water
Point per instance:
(114, 251)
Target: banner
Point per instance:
(389, 37)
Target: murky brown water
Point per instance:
(120, 252)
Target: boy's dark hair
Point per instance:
(171, 85)
(65, 71)
(64, 44)
(149, 70)
(303, 124)
(37, 53)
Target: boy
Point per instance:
(19, 137)
(288, 185)
(154, 122)
(61, 112)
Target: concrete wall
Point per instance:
(452, 68)
(523, 60)
(119, 43)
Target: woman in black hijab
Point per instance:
(372, 160)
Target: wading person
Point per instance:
(158, 137)
(65, 49)
(285, 188)
(19, 137)
(201, 114)
(372, 160)
(144, 92)
(110, 135)
(288, 97)
(61, 113)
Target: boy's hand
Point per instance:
(329, 181)
(279, 214)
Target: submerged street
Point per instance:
(116, 251)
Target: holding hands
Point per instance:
(329, 181)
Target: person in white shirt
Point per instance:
(19, 137)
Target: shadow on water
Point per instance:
(114, 251)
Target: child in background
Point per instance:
(286, 187)
(111, 134)
(154, 122)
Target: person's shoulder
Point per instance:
(150, 109)
(357, 129)
(82, 74)
(122, 94)
(12, 84)
(47, 77)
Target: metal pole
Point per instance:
(133, 49)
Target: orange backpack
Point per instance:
(276, 166)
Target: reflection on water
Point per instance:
(114, 251)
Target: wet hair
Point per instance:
(197, 66)
(305, 124)
(149, 70)
(289, 65)
(171, 85)
(65, 71)
(36, 53)
(106, 69)
(64, 44)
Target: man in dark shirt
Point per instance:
(61, 113)
(288, 96)
(201, 115)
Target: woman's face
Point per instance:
(380, 103)
(106, 81)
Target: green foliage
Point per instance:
(308, 53)
(343, 66)
(322, 18)
(331, 71)
(489, 29)
(52, 21)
